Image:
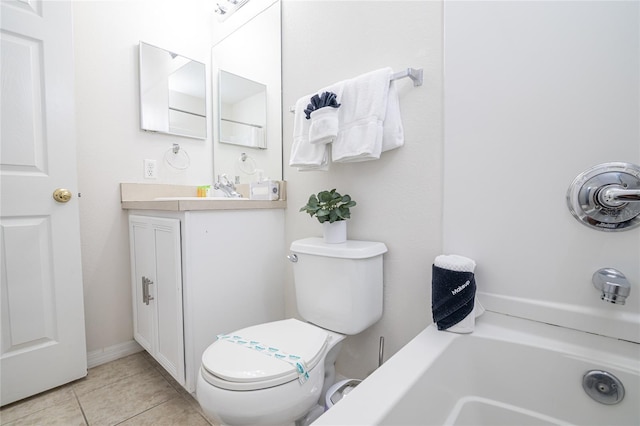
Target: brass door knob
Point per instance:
(62, 195)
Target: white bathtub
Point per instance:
(508, 372)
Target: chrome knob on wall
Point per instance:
(613, 284)
(607, 197)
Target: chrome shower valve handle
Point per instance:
(607, 197)
(614, 196)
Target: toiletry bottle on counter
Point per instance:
(203, 191)
(264, 189)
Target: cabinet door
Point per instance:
(157, 290)
(142, 269)
(168, 299)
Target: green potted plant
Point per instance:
(332, 210)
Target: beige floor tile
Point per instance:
(111, 372)
(174, 384)
(146, 355)
(66, 413)
(179, 388)
(36, 403)
(121, 400)
(176, 411)
(192, 401)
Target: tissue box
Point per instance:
(265, 190)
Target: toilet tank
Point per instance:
(338, 286)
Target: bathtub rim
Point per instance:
(367, 406)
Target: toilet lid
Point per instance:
(229, 365)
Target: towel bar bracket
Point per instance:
(417, 75)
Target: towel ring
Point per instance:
(177, 157)
(247, 164)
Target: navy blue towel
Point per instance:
(452, 296)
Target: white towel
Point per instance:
(324, 125)
(325, 122)
(393, 132)
(457, 263)
(453, 262)
(362, 113)
(304, 155)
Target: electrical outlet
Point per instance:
(150, 169)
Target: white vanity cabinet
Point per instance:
(213, 272)
(156, 276)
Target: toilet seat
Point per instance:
(232, 366)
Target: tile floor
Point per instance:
(134, 390)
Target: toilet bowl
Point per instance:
(241, 385)
(277, 373)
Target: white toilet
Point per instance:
(254, 376)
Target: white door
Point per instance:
(41, 303)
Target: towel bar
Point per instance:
(414, 74)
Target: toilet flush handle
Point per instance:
(293, 258)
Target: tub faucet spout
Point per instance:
(226, 186)
(613, 284)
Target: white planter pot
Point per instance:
(336, 232)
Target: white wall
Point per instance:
(535, 94)
(399, 196)
(111, 146)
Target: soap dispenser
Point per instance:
(264, 189)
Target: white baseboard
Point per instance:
(111, 353)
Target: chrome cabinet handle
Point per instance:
(146, 297)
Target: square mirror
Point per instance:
(243, 111)
(172, 93)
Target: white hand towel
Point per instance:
(324, 125)
(304, 155)
(393, 136)
(453, 262)
(363, 110)
(325, 122)
(457, 263)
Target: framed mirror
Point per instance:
(243, 111)
(172, 93)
